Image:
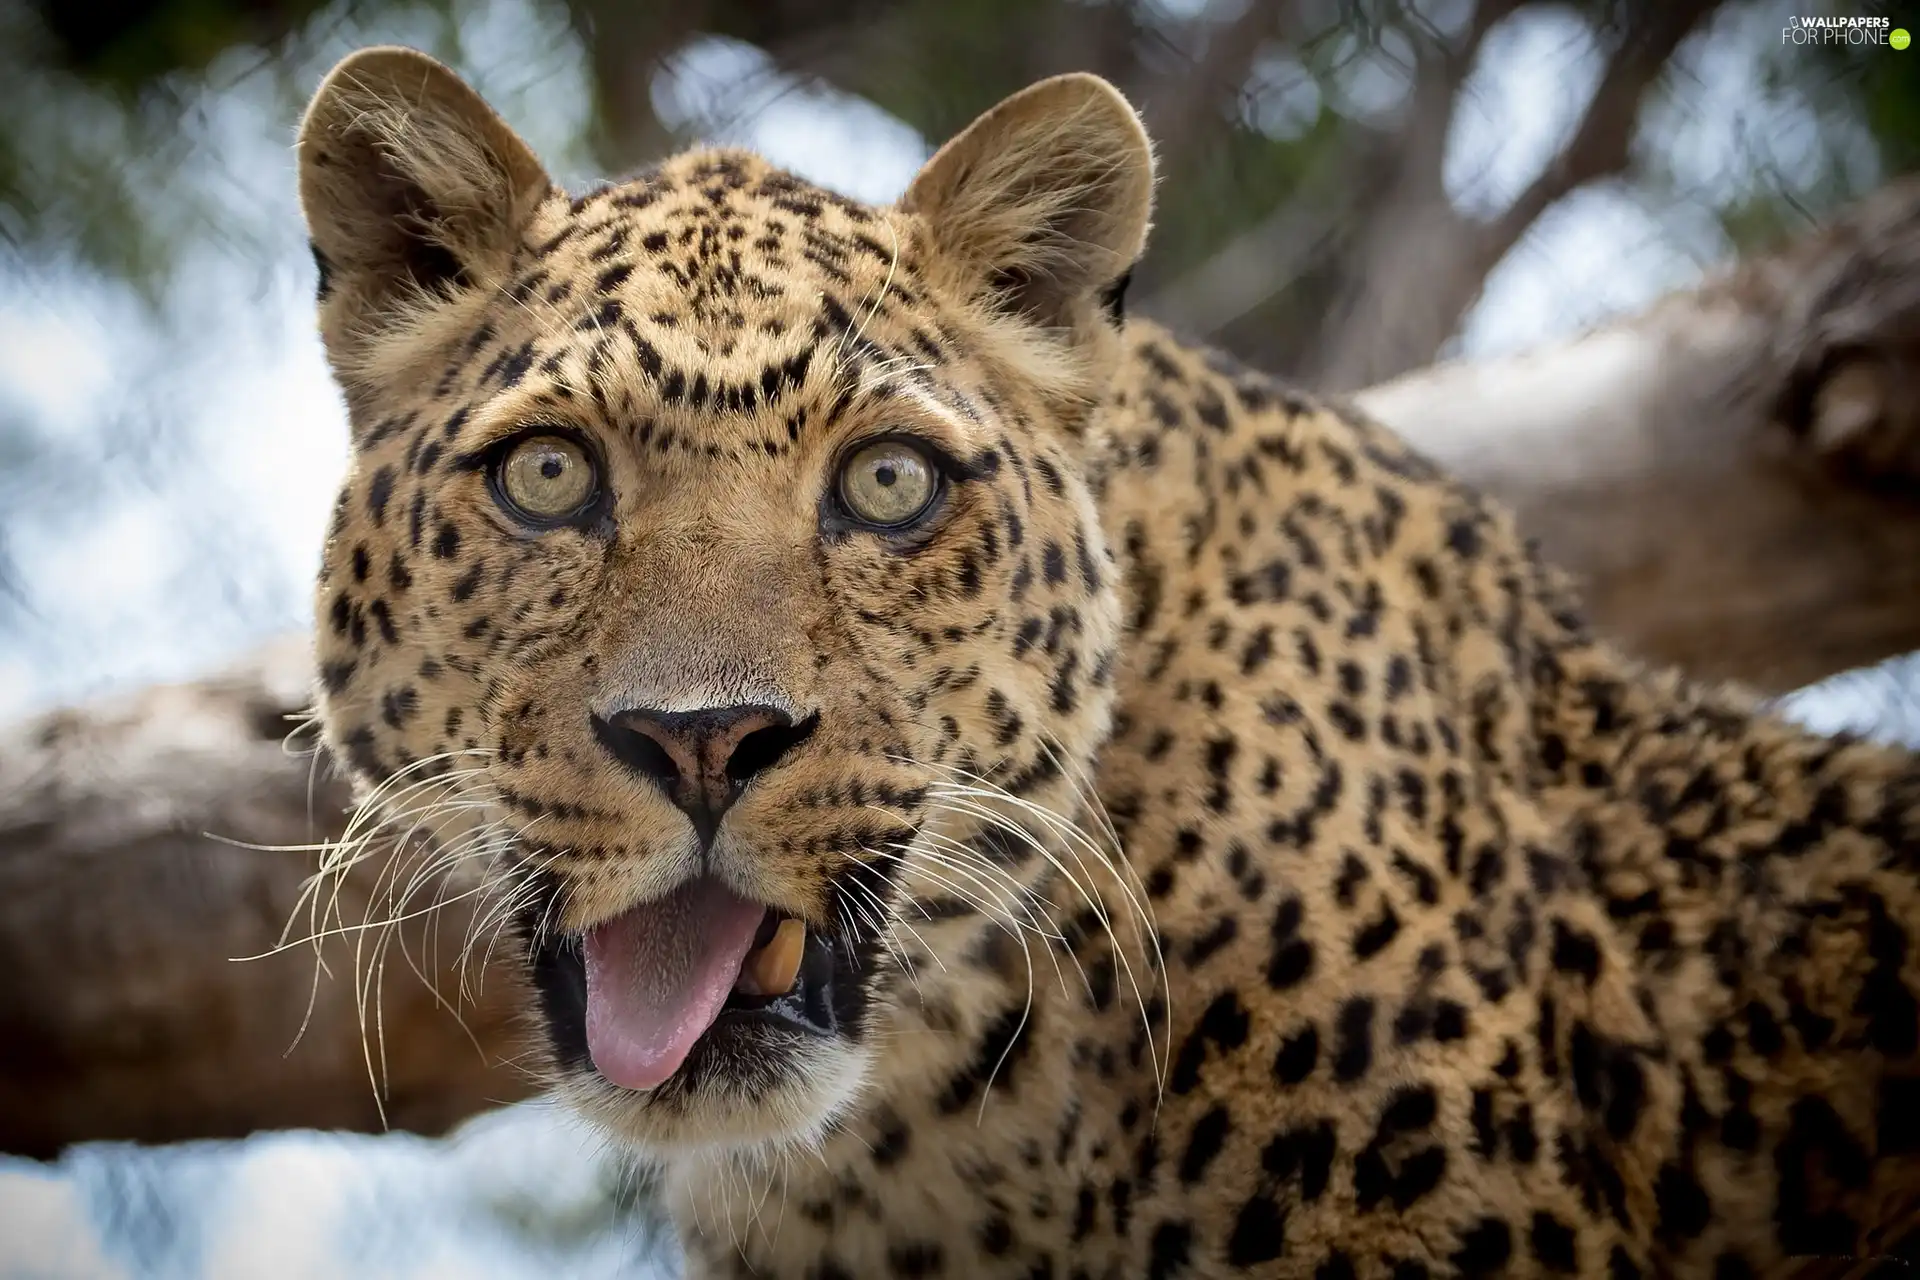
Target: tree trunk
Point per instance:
(1734, 475)
(126, 910)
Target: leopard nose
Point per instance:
(702, 759)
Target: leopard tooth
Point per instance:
(772, 969)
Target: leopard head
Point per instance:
(718, 561)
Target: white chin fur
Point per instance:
(825, 1081)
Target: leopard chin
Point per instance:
(754, 1098)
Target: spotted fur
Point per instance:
(1252, 863)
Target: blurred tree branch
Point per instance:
(130, 903)
(1182, 109)
(1734, 475)
(628, 44)
(1410, 264)
(1648, 35)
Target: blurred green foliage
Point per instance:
(1877, 84)
(125, 46)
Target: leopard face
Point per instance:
(711, 545)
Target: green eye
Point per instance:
(887, 484)
(547, 479)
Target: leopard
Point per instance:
(976, 784)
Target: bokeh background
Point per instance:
(1351, 190)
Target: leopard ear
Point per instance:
(1045, 199)
(413, 189)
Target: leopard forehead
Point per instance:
(727, 249)
(720, 331)
(696, 299)
(721, 273)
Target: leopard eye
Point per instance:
(547, 479)
(888, 484)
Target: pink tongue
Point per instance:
(657, 976)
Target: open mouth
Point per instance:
(787, 980)
(697, 968)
